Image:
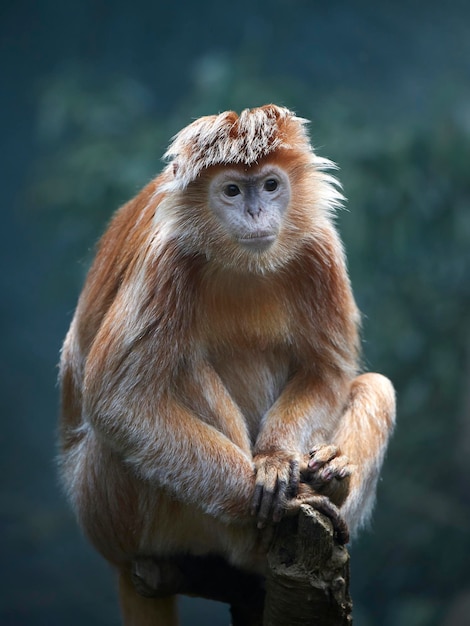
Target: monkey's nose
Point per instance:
(253, 210)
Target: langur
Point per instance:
(210, 377)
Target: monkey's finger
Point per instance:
(321, 455)
(266, 506)
(280, 500)
(338, 468)
(339, 525)
(294, 478)
(265, 482)
(270, 488)
(287, 487)
(325, 506)
(257, 497)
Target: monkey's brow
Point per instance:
(250, 179)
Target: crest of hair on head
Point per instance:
(229, 138)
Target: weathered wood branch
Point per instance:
(308, 574)
(307, 581)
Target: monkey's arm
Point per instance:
(345, 466)
(304, 414)
(134, 409)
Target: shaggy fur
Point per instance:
(228, 139)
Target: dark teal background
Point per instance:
(90, 94)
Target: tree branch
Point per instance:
(308, 574)
(307, 583)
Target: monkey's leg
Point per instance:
(209, 577)
(361, 439)
(345, 471)
(138, 610)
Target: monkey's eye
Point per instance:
(231, 190)
(270, 184)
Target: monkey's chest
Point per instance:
(246, 335)
(254, 379)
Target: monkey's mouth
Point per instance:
(257, 240)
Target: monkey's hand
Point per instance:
(323, 504)
(327, 472)
(277, 480)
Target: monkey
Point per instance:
(211, 376)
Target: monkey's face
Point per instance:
(250, 205)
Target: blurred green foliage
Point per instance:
(407, 234)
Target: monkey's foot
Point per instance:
(154, 578)
(207, 576)
(324, 505)
(326, 462)
(328, 473)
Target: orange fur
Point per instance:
(191, 365)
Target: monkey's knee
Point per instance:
(104, 496)
(375, 394)
(373, 380)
